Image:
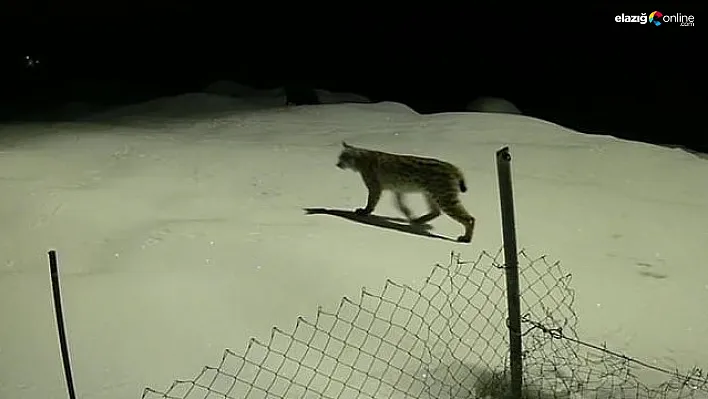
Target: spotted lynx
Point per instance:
(439, 181)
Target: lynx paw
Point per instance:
(465, 239)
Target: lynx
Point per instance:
(439, 181)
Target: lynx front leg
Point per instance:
(373, 198)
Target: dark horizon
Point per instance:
(584, 71)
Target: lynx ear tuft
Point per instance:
(345, 145)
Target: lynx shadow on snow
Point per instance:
(391, 223)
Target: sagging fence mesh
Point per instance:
(448, 339)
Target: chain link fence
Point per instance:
(446, 339)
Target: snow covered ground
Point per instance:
(181, 234)
(492, 104)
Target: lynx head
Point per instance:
(348, 157)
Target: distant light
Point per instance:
(31, 62)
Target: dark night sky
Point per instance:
(573, 65)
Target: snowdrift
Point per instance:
(492, 104)
(179, 238)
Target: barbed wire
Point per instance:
(446, 339)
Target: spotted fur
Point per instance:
(440, 182)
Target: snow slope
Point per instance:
(179, 237)
(492, 104)
(328, 97)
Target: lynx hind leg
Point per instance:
(400, 202)
(457, 211)
(433, 211)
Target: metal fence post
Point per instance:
(56, 289)
(511, 268)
